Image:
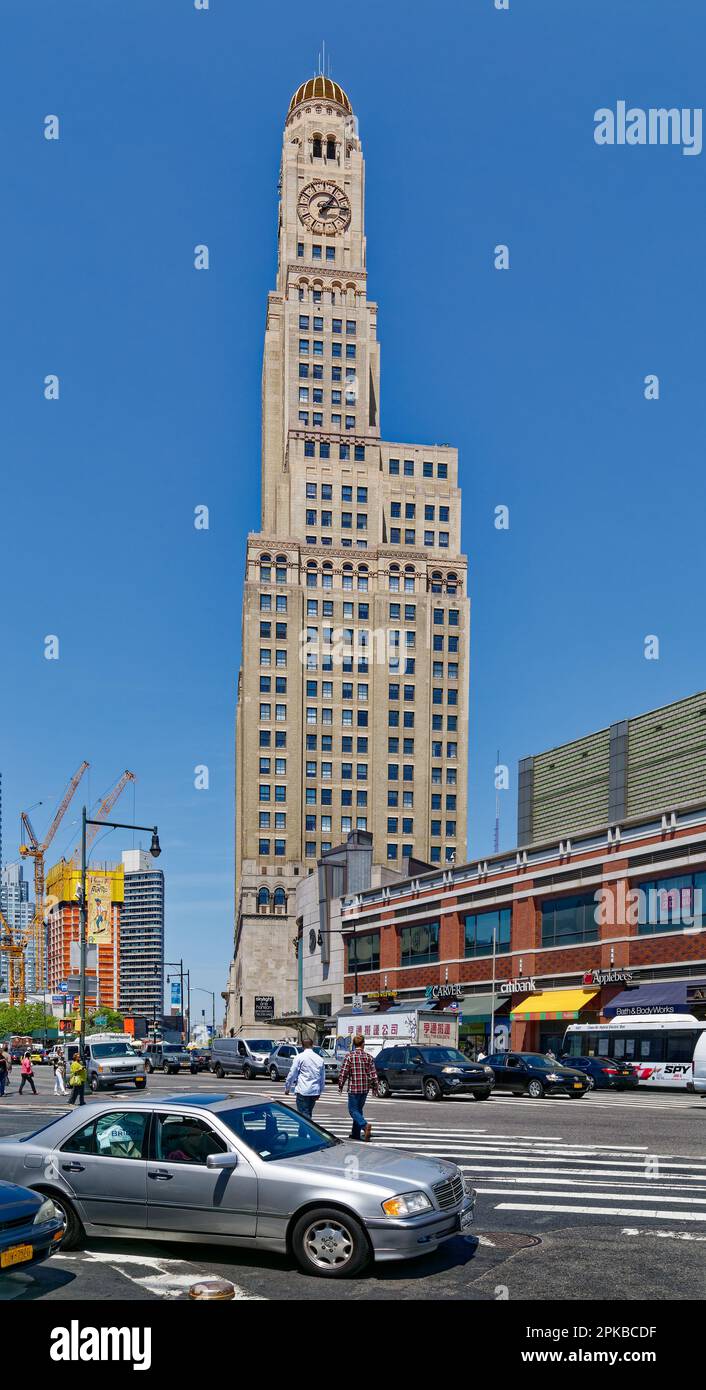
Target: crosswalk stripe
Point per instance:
(573, 1210)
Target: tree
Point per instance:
(110, 1022)
(24, 1018)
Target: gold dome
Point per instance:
(320, 89)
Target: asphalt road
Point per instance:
(598, 1199)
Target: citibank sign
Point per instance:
(519, 986)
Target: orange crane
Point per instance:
(107, 805)
(34, 850)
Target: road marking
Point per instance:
(594, 1196)
(164, 1282)
(663, 1235)
(602, 1211)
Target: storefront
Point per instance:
(478, 1013)
(539, 1020)
(684, 996)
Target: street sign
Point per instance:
(63, 986)
(264, 1007)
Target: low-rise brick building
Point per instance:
(547, 933)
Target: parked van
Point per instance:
(699, 1072)
(248, 1057)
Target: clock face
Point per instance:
(324, 208)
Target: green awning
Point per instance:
(480, 1006)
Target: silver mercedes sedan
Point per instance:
(237, 1172)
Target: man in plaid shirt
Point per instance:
(359, 1071)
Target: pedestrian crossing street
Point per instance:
(514, 1173)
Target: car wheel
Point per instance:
(330, 1244)
(591, 1083)
(140, 1085)
(481, 1095)
(148, 1067)
(384, 1091)
(95, 1083)
(219, 1071)
(535, 1089)
(166, 1068)
(431, 1088)
(274, 1074)
(248, 1072)
(74, 1234)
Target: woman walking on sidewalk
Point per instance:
(59, 1075)
(27, 1074)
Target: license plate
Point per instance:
(139, 1078)
(578, 1086)
(16, 1255)
(465, 1220)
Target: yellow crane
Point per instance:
(15, 954)
(33, 849)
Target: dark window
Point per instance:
(419, 944)
(479, 931)
(365, 949)
(567, 920)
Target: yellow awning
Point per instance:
(554, 1003)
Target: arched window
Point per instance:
(330, 147)
(327, 575)
(311, 580)
(265, 569)
(451, 583)
(347, 576)
(363, 579)
(281, 569)
(279, 898)
(394, 579)
(316, 147)
(263, 898)
(436, 582)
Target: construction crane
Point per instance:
(107, 805)
(14, 951)
(34, 850)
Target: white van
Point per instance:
(699, 1073)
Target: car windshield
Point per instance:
(537, 1059)
(116, 1049)
(274, 1131)
(261, 1044)
(172, 1047)
(444, 1054)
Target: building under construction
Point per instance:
(105, 893)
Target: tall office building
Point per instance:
(18, 912)
(352, 694)
(142, 937)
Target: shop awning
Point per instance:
(659, 997)
(480, 1006)
(554, 1003)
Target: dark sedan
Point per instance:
(603, 1071)
(533, 1074)
(432, 1071)
(31, 1227)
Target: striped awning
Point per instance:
(553, 1003)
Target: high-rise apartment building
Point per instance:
(352, 694)
(142, 936)
(18, 912)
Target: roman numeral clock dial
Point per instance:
(324, 208)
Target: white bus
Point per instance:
(659, 1047)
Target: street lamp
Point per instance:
(155, 851)
(212, 993)
(182, 972)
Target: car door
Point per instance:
(412, 1073)
(183, 1194)
(285, 1057)
(516, 1073)
(498, 1061)
(104, 1164)
(390, 1059)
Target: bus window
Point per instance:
(680, 1046)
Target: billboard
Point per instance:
(100, 930)
(175, 998)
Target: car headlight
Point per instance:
(47, 1212)
(407, 1204)
(489, 1071)
(457, 1070)
(468, 1188)
(553, 1076)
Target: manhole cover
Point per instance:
(508, 1240)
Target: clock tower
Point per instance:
(353, 690)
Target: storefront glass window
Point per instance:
(419, 944)
(479, 932)
(566, 920)
(668, 904)
(367, 950)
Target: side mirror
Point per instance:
(227, 1160)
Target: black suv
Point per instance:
(533, 1074)
(433, 1071)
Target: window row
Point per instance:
(336, 324)
(344, 450)
(393, 468)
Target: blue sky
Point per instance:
(477, 130)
